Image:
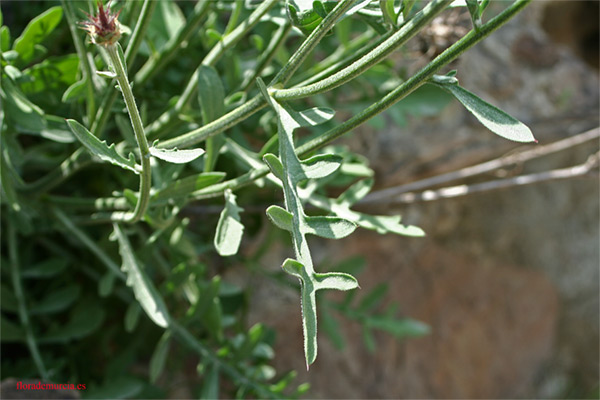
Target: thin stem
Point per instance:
(275, 43)
(235, 16)
(258, 102)
(474, 170)
(130, 53)
(138, 129)
(580, 170)
(83, 59)
(311, 42)
(157, 128)
(468, 41)
(157, 61)
(407, 31)
(15, 271)
(139, 31)
(88, 242)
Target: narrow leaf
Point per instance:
(491, 117)
(211, 96)
(144, 290)
(229, 228)
(400, 328)
(355, 192)
(387, 9)
(100, 148)
(312, 116)
(176, 156)
(329, 227)
(157, 362)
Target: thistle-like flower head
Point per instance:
(104, 29)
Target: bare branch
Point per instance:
(390, 194)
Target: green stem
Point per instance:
(75, 232)
(138, 129)
(235, 16)
(311, 42)
(407, 31)
(130, 53)
(139, 31)
(157, 61)
(258, 102)
(15, 272)
(275, 43)
(331, 64)
(465, 43)
(83, 59)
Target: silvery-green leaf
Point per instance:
(335, 280)
(321, 165)
(229, 228)
(99, 148)
(107, 74)
(159, 356)
(274, 165)
(176, 156)
(329, 227)
(186, 186)
(355, 192)
(211, 96)
(280, 217)
(143, 288)
(491, 117)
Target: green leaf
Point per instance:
(176, 156)
(57, 130)
(36, 31)
(159, 357)
(145, 292)
(355, 192)
(400, 328)
(312, 116)
(75, 92)
(86, 318)
(106, 284)
(4, 39)
(374, 298)
(132, 316)
(19, 111)
(229, 228)
(335, 280)
(387, 9)
(491, 117)
(274, 165)
(321, 165)
(210, 385)
(100, 148)
(56, 301)
(329, 227)
(45, 269)
(280, 217)
(211, 96)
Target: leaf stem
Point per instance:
(130, 53)
(138, 129)
(22, 307)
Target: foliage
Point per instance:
(190, 73)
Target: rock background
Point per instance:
(508, 280)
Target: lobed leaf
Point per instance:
(143, 289)
(99, 148)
